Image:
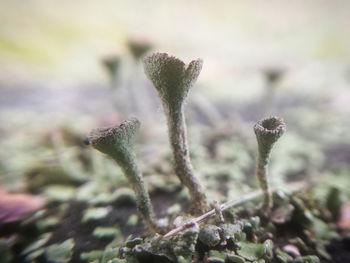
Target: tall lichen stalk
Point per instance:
(172, 79)
(182, 163)
(118, 143)
(267, 132)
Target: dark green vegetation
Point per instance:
(91, 215)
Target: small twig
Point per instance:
(293, 187)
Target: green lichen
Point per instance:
(91, 256)
(185, 243)
(209, 235)
(48, 223)
(95, 214)
(132, 220)
(267, 132)
(334, 201)
(231, 258)
(252, 251)
(283, 257)
(35, 254)
(118, 143)
(133, 242)
(39, 243)
(173, 80)
(106, 232)
(58, 253)
(232, 232)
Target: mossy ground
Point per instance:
(227, 172)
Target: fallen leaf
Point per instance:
(291, 250)
(13, 207)
(344, 219)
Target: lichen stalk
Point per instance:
(143, 201)
(118, 142)
(267, 132)
(265, 185)
(172, 79)
(182, 162)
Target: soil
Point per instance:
(340, 250)
(72, 227)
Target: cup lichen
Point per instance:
(267, 132)
(118, 143)
(173, 80)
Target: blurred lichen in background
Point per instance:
(50, 69)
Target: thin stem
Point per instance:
(182, 161)
(264, 184)
(293, 187)
(173, 80)
(267, 132)
(118, 142)
(143, 201)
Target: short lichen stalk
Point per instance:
(118, 143)
(173, 80)
(138, 47)
(267, 132)
(273, 77)
(112, 64)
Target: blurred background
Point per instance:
(69, 66)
